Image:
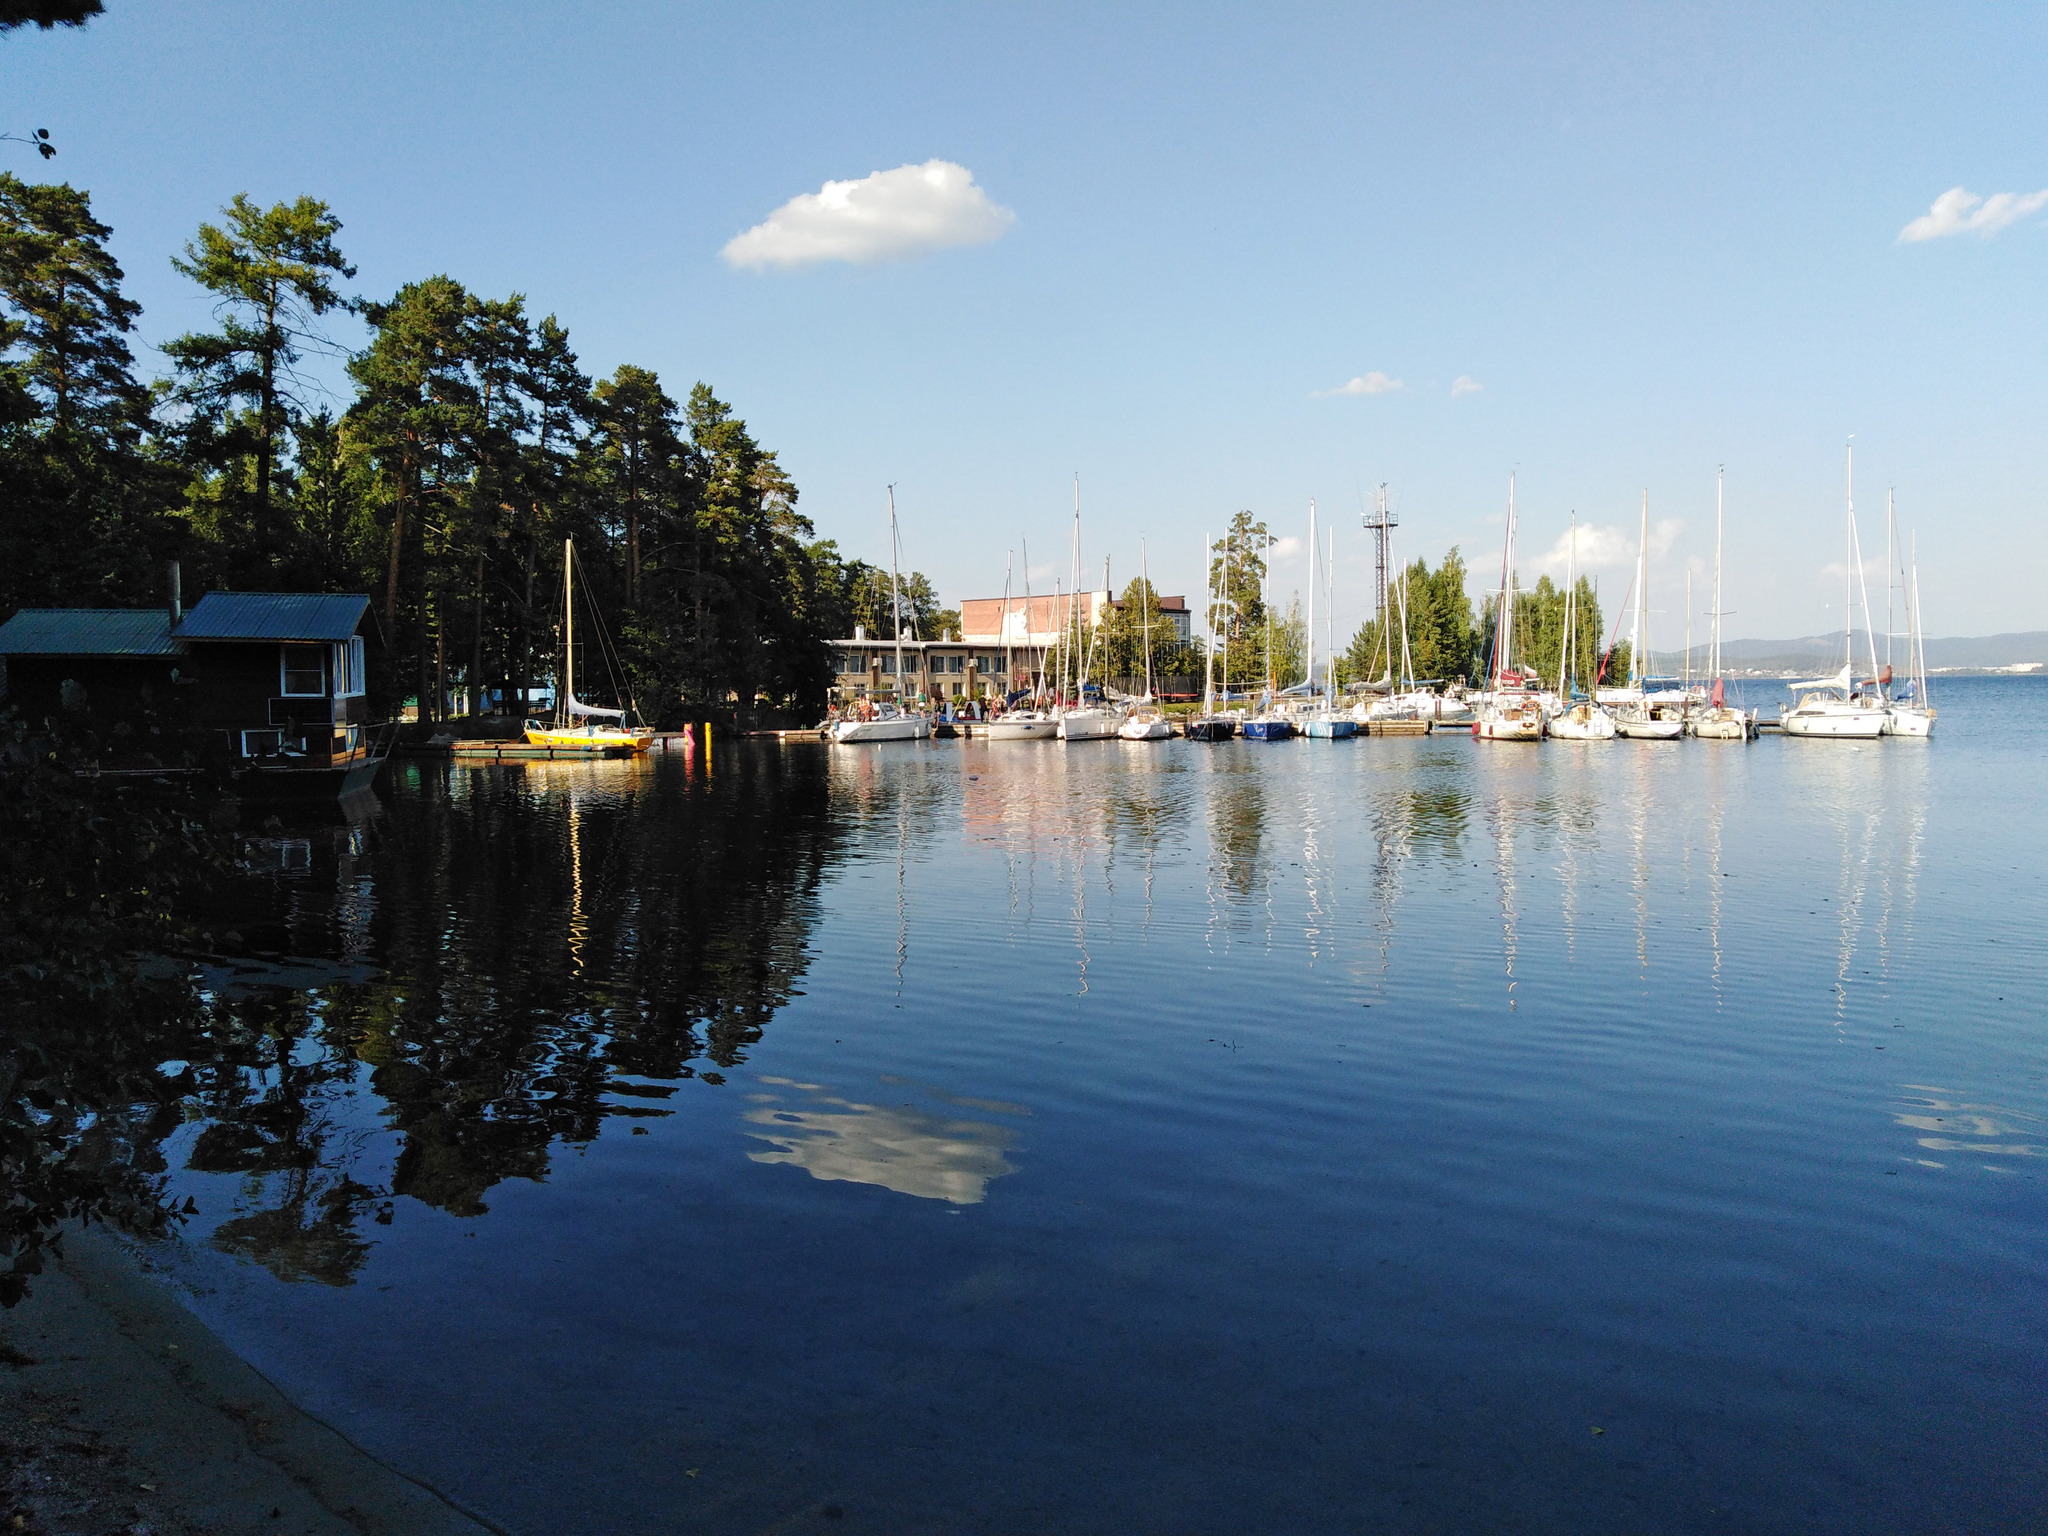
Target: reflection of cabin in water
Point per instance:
(275, 679)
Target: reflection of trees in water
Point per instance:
(265, 1090)
(529, 977)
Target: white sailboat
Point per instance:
(1031, 724)
(1834, 706)
(1145, 722)
(1511, 712)
(887, 721)
(1910, 713)
(1639, 719)
(1577, 719)
(1720, 720)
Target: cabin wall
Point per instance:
(117, 688)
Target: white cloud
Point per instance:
(1286, 550)
(1611, 548)
(1465, 384)
(1959, 211)
(889, 216)
(1374, 383)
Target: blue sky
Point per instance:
(1659, 238)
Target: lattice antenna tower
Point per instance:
(1379, 522)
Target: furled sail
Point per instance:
(582, 710)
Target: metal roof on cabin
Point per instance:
(274, 616)
(88, 632)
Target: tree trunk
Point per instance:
(476, 660)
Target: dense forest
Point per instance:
(471, 445)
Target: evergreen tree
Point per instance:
(272, 273)
(69, 320)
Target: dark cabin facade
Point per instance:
(277, 681)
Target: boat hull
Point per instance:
(1721, 725)
(590, 743)
(1211, 728)
(1088, 725)
(1583, 723)
(1834, 724)
(1519, 724)
(1145, 730)
(1009, 729)
(1268, 730)
(1331, 730)
(1652, 729)
(1909, 721)
(857, 733)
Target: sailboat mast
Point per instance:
(1037, 688)
(1564, 641)
(895, 598)
(1848, 560)
(1719, 476)
(1919, 631)
(1009, 657)
(1330, 617)
(1635, 645)
(1266, 603)
(1891, 539)
(1504, 637)
(1313, 552)
(562, 704)
(1208, 630)
(1145, 602)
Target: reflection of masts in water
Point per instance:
(902, 908)
(1638, 838)
(1718, 799)
(579, 927)
(1313, 876)
(1504, 863)
(1855, 883)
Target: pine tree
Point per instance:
(69, 318)
(272, 273)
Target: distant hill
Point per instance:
(1811, 655)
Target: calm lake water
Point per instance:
(1327, 1136)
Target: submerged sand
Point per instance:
(120, 1411)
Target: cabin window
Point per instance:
(262, 743)
(348, 667)
(305, 671)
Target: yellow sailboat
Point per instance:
(579, 727)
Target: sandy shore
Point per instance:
(121, 1412)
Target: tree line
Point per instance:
(471, 445)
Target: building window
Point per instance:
(305, 671)
(262, 743)
(348, 667)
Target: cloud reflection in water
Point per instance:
(909, 1150)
